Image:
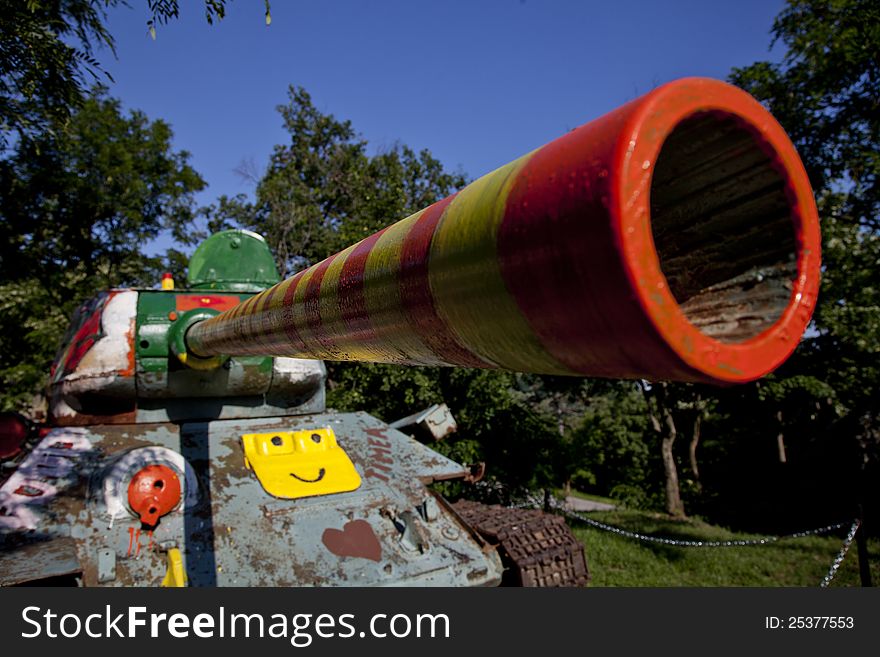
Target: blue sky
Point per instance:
(477, 83)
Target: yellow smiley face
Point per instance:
(292, 464)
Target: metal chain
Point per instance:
(680, 543)
(839, 559)
(532, 502)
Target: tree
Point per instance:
(75, 209)
(826, 94)
(47, 58)
(815, 410)
(665, 402)
(322, 191)
(609, 450)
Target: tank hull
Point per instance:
(65, 512)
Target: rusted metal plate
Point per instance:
(390, 531)
(39, 561)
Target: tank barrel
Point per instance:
(675, 238)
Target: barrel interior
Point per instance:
(722, 224)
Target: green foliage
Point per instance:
(826, 94)
(516, 442)
(312, 185)
(386, 391)
(46, 59)
(851, 315)
(612, 450)
(76, 209)
(32, 319)
(847, 352)
(162, 11)
(87, 199)
(323, 191)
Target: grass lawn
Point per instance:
(586, 496)
(617, 561)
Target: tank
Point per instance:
(188, 441)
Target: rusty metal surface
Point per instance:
(537, 548)
(37, 561)
(433, 423)
(220, 408)
(390, 531)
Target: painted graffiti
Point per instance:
(86, 325)
(381, 457)
(355, 539)
(135, 544)
(40, 476)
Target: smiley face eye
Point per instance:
(316, 437)
(277, 441)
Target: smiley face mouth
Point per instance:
(320, 476)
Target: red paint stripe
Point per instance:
(352, 302)
(415, 291)
(242, 324)
(216, 302)
(249, 322)
(312, 308)
(296, 342)
(265, 324)
(560, 260)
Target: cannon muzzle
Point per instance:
(675, 238)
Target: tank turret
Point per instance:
(675, 238)
(125, 360)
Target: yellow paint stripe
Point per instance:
(299, 319)
(383, 302)
(328, 302)
(277, 301)
(277, 340)
(251, 323)
(264, 315)
(465, 277)
(350, 347)
(248, 323)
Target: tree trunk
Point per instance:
(780, 443)
(692, 448)
(674, 505)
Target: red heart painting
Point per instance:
(356, 539)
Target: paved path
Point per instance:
(578, 504)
